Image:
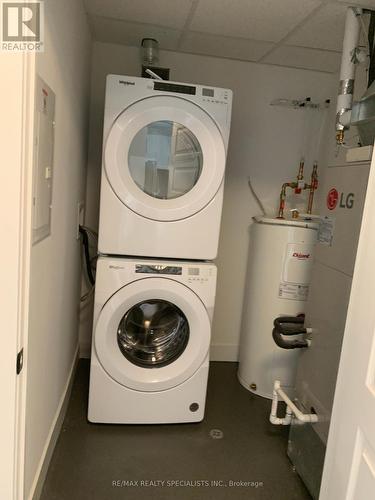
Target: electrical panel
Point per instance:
(43, 160)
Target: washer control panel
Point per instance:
(199, 274)
(191, 273)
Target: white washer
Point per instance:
(164, 154)
(150, 347)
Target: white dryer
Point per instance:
(150, 347)
(164, 154)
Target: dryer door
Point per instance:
(153, 334)
(164, 158)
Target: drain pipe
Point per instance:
(347, 72)
(274, 419)
(291, 409)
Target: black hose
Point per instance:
(288, 344)
(85, 241)
(289, 325)
(371, 33)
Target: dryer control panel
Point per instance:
(208, 94)
(175, 87)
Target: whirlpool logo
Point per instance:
(126, 82)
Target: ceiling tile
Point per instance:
(369, 4)
(299, 57)
(234, 48)
(267, 20)
(113, 31)
(324, 30)
(170, 13)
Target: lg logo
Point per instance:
(346, 200)
(332, 198)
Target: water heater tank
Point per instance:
(279, 271)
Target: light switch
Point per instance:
(48, 173)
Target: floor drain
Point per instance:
(216, 434)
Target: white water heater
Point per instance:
(279, 273)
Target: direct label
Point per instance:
(326, 231)
(292, 291)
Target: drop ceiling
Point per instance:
(296, 33)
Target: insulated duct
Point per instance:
(347, 71)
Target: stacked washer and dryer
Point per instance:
(164, 155)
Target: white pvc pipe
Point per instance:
(274, 419)
(348, 67)
(290, 410)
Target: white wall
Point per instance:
(265, 144)
(55, 261)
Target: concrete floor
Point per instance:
(110, 462)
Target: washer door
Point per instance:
(164, 158)
(153, 334)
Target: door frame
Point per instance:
(17, 99)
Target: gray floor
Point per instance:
(110, 462)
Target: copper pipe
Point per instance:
(291, 185)
(312, 187)
(340, 138)
(298, 189)
(300, 171)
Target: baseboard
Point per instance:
(53, 434)
(224, 352)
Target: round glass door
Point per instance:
(153, 333)
(165, 159)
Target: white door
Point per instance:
(349, 469)
(164, 157)
(16, 104)
(152, 334)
